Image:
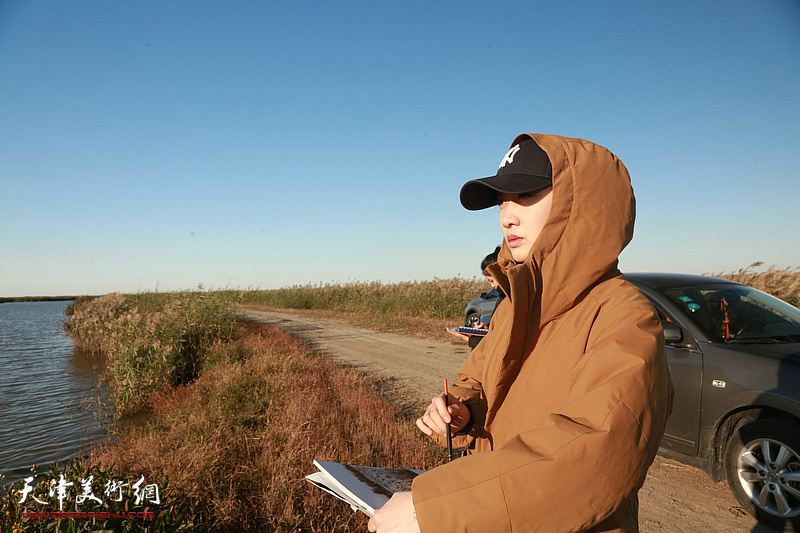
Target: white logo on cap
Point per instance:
(509, 158)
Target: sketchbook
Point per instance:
(470, 331)
(364, 488)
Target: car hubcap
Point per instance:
(769, 472)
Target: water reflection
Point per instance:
(51, 405)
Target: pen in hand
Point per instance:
(447, 425)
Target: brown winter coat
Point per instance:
(570, 389)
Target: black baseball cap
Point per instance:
(525, 168)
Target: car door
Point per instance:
(686, 369)
(685, 359)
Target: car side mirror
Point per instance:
(672, 331)
(485, 295)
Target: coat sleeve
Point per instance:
(589, 457)
(469, 386)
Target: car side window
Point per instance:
(737, 313)
(697, 309)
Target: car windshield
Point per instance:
(736, 313)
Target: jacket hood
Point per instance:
(590, 223)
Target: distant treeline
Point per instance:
(4, 299)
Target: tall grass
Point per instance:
(237, 442)
(445, 299)
(438, 299)
(150, 340)
(781, 283)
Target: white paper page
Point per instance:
(321, 480)
(369, 487)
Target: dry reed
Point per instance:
(781, 283)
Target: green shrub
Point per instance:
(150, 340)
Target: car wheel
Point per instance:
(472, 319)
(763, 467)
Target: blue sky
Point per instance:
(157, 145)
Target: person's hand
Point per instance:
(480, 325)
(438, 414)
(397, 516)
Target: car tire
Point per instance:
(762, 462)
(473, 318)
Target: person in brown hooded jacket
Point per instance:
(563, 404)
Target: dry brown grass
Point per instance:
(238, 441)
(781, 283)
(438, 298)
(420, 309)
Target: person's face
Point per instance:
(491, 280)
(522, 217)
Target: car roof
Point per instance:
(662, 280)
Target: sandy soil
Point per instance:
(675, 497)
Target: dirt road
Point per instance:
(675, 497)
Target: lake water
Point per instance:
(49, 391)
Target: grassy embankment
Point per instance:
(236, 412)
